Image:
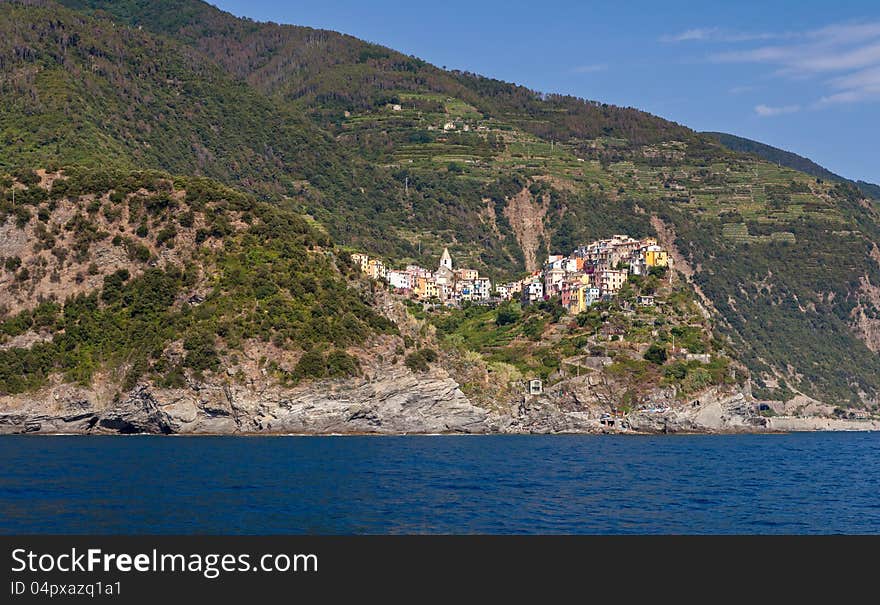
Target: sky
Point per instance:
(800, 75)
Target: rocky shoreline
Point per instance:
(400, 402)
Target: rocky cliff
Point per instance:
(400, 402)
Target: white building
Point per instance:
(532, 291)
(402, 280)
(553, 281)
(554, 261)
(482, 288)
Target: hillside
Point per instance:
(140, 275)
(789, 160)
(399, 158)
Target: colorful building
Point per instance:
(655, 256)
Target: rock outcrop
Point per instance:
(399, 402)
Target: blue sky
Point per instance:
(801, 75)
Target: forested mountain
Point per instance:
(398, 158)
(789, 160)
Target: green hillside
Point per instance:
(399, 158)
(145, 275)
(789, 160)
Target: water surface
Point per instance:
(797, 483)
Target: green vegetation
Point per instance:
(418, 361)
(271, 280)
(789, 160)
(612, 341)
(307, 121)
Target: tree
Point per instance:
(656, 354)
(507, 315)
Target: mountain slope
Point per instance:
(140, 275)
(92, 92)
(789, 160)
(403, 158)
(328, 72)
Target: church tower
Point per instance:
(446, 260)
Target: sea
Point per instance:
(803, 483)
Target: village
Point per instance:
(591, 273)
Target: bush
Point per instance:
(656, 354)
(508, 314)
(658, 272)
(12, 264)
(113, 285)
(200, 353)
(310, 365)
(166, 235)
(341, 364)
(676, 371)
(418, 361)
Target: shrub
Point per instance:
(200, 353)
(507, 315)
(310, 365)
(656, 354)
(113, 285)
(12, 264)
(341, 364)
(418, 361)
(166, 236)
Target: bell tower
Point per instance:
(446, 260)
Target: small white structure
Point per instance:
(536, 387)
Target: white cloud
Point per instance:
(845, 57)
(716, 34)
(866, 78)
(766, 111)
(691, 34)
(840, 98)
(589, 69)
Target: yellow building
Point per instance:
(376, 269)
(426, 287)
(656, 256)
(610, 281)
(361, 260)
(583, 296)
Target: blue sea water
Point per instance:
(795, 483)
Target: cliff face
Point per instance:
(400, 402)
